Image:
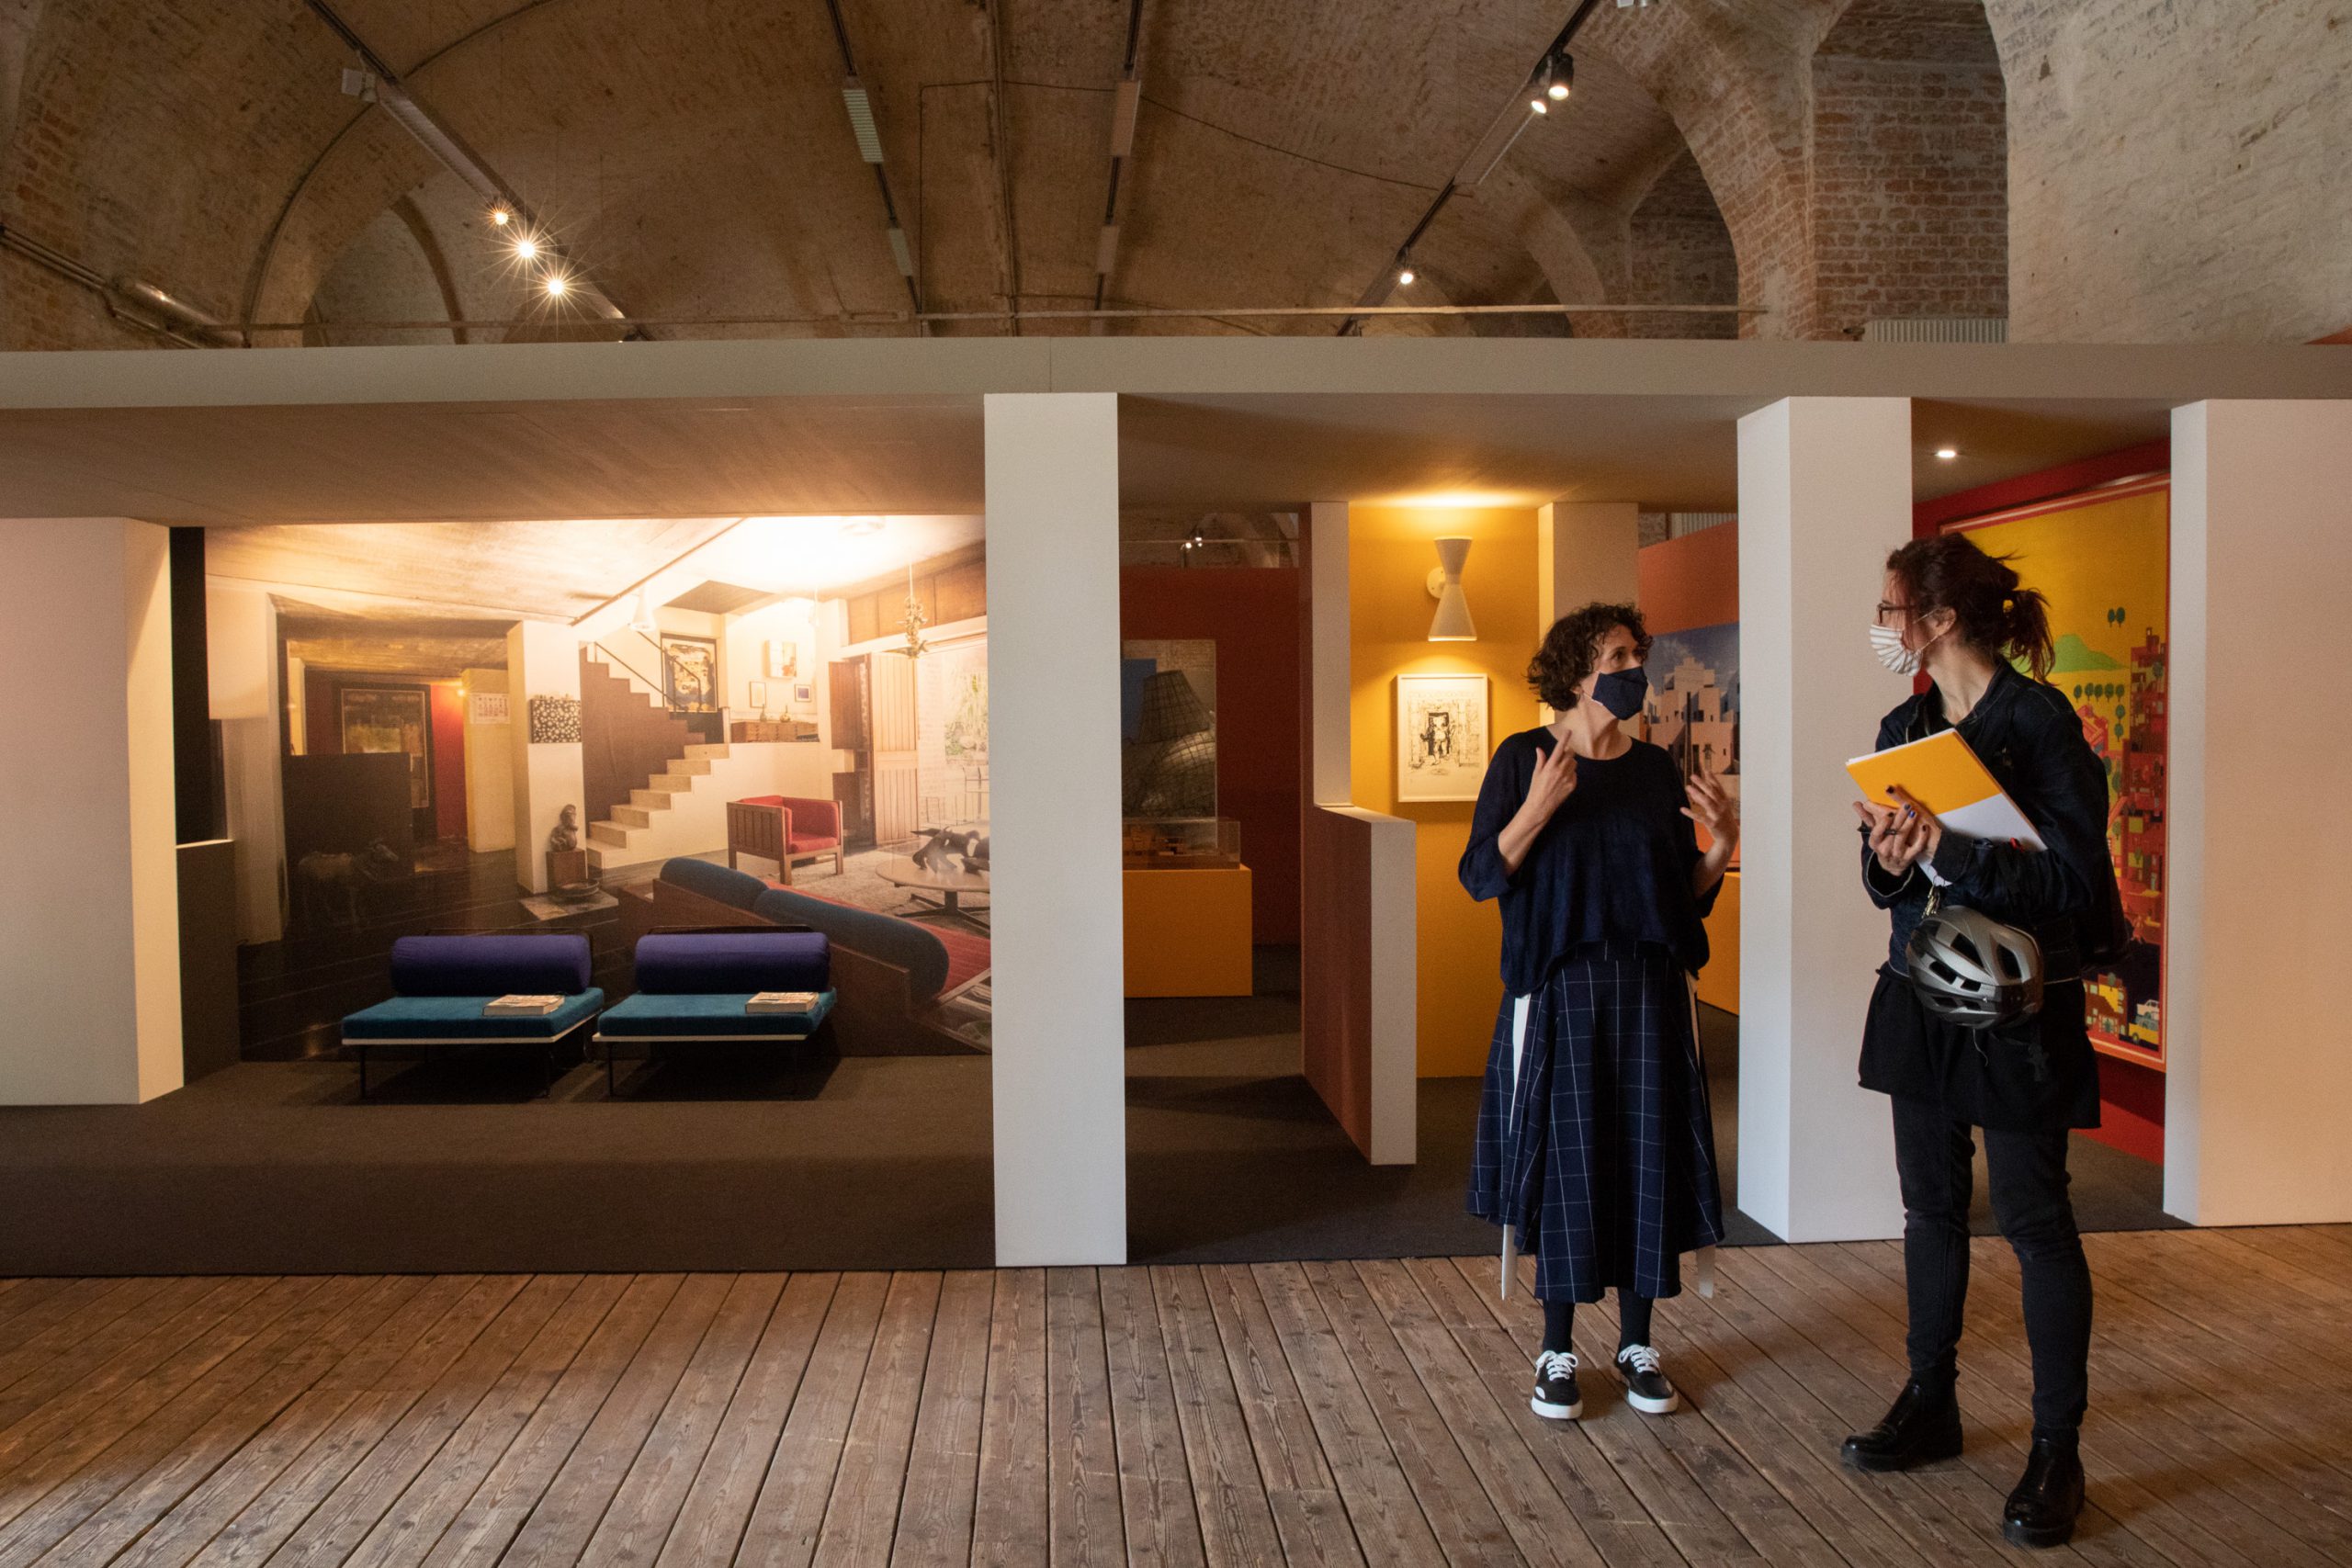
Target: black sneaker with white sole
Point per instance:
(1646, 1389)
(1555, 1386)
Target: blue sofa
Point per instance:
(692, 988)
(441, 984)
(896, 978)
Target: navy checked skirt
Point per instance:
(1602, 1157)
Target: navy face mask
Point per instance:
(1622, 690)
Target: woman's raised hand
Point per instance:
(1712, 807)
(1898, 838)
(1555, 780)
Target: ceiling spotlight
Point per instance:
(526, 247)
(1562, 79)
(555, 285)
(1538, 104)
(1406, 274)
(501, 216)
(1947, 453)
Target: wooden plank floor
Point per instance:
(1331, 1413)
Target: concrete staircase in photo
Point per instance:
(630, 826)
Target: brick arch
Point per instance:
(643, 226)
(1727, 84)
(1909, 165)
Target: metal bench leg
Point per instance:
(363, 1072)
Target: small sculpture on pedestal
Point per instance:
(568, 876)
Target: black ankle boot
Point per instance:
(1921, 1427)
(2043, 1509)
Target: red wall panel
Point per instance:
(449, 762)
(1252, 616)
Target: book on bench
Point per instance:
(521, 1006)
(782, 1001)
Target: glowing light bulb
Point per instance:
(1405, 275)
(501, 216)
(1539, 105)
(555, 285)
(526, 247)
(1557, 92)
(1947, 453)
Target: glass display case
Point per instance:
(1189, 843)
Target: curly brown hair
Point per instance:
(1570, 649)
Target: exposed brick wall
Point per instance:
(1681, 253)
(2173, 169)
(2180, 170)
(1910, 179)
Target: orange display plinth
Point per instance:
(1189, 932)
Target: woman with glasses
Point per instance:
(1595, 1149)
(1959, 615)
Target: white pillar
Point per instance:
(1825, 493)
(1060, 1034)
(90, 938)
(2259, 1079)
(1585, 551)
(542, 660)
(243, 662)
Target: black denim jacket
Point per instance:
(2029, 738)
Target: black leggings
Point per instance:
(1934, 1160)
(1633, 1322)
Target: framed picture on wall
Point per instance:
(1442, 736)
(690, 672)
(783, 660)
(391, 719)
(759, 696)
(803, 693)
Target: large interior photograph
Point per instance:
(609, 731)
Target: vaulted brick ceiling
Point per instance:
(697, 161)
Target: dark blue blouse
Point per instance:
(1613, 864)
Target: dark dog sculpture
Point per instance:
(327, 884)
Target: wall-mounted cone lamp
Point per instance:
(1452, 622)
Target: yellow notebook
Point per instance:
(1942, 774)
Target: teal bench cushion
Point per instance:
(459, 1018)
(715, 1012)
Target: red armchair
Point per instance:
(787, 828)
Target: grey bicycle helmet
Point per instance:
(1971, 970)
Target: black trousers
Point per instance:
(1934, 1160)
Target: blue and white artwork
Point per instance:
(1693, 705)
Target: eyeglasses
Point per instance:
(1886, 609)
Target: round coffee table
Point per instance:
(941, 890)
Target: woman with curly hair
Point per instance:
(1596, 1150)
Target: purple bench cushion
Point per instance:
(555, 963)
(690, 965)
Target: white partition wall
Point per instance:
(1825, 493)
(90, 938)
(2259, 1081)
(1059, 1073)
(1586, 551)
(542, 660)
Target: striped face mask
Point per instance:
(1887, 643)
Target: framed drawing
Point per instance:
(783, 660)
(759, 696)
(803, 693)
(1441, 740)
(690, 672)
(390, 718)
